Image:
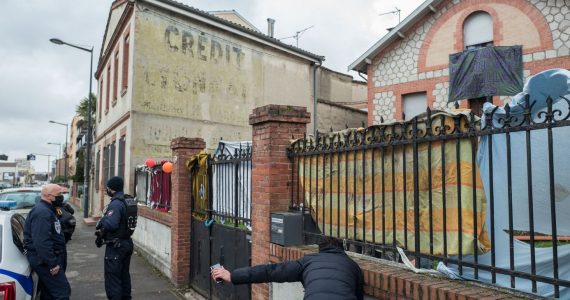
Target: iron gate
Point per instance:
(221, 220)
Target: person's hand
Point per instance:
(53, 271)
(221, 274)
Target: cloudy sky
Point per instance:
(41, 81)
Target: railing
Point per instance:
(153, 188)
(231, 186)
(449, 188)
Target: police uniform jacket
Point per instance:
(43, 236)
(114, 220)
(329, 274)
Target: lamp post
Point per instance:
(88, 152)
(66, 127)
(58, 157)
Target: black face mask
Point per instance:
(58, 201)
(110, 193)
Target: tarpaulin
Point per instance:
(488, 71)
(338, 191)
(554, 84)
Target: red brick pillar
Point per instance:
(273, 128)
(182, 150)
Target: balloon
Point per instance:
(150, 163)
(167, 167)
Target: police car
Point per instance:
(17, 281)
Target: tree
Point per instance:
(79, 169)
(81, 109)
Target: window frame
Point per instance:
(121, 156)
(125, 73)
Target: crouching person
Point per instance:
(329, 274)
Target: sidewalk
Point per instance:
(85, 270)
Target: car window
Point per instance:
(18, 231)
(17, 200)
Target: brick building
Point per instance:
(408, 67)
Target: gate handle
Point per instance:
(209, 223)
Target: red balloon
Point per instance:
(150, 163)
(167, 167)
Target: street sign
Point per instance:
(31, 157)
(3, 157)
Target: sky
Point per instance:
(41, 81)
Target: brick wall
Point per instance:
(388, 280)
(182, 150)
(273, 127)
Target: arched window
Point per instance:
(478, 30)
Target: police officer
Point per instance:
(45, 245)
(113, 231)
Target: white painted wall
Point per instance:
(152, 240)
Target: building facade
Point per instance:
(408, 68)
(168, 70)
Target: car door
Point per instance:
(18, 222)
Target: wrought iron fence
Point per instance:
(153, 188)
(231, 185)
(478, 195)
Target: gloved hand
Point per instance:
(99, 242)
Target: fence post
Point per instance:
(182, 149)
(273, 128)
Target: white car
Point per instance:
(17, 281)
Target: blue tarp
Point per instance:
(556, 85)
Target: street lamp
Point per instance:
(88, 154)
(66, 126)
(57, 164)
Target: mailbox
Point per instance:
(287, 228)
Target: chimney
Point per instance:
(270, 26)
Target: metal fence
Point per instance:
(153, 188)
(476, 194)
(231, 186)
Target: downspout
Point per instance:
(315, 120)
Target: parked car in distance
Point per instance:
(17, 281)
(5, 185)
(20, 200)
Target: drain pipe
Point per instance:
(315, 120)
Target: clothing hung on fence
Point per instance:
(339, 192)
(198, 166)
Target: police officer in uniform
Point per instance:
(112, 230)
(44, 242)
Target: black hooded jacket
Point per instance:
(329, 274)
